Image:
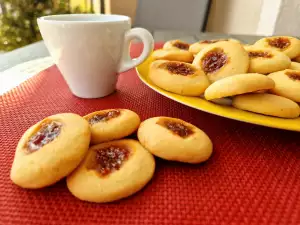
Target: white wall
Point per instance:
(261, 17)
(268, 16)
(234, 16)
(124, 7)
(288, 20)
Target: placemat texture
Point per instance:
(251, 178)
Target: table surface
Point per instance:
(252, 177)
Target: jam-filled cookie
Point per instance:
(287, 84)
(174, 139)
(238, 84)
(176, 45)
(266, 60)
(246, 45)
(294, 66)
(178, 77)
(267, 104)
(288, 45)
(50, 150)
(173, 55)
(112, 171)
(220, 101)
(198, 46)
(297, 59)
(112, 124)
(222, 59)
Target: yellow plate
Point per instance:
(224, 111)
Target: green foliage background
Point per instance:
(18, 20)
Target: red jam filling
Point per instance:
(212, 41)
(109, 159)
(176, 127)
(104, 117)
(293, 75)
(279, 42)
(256, 54)
(178, 68)
(47, 133)
(181, 45)
(213, 61)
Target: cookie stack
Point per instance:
(262, 78)
(93, 153)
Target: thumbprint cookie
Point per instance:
(222, 59)
(198, 46)
(267, 104)
(238, 84)
(288, 45)
(173, 55)
(50, 150)
(294, 66)
(297, 59)
(176, 45)
(220, 101)
(178, 77)
(174, 139)
(112, 171)
(112, 124)
(246, 45)
(266, 60)
(287, 84)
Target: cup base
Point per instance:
(93, 96)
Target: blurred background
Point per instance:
(256, 17)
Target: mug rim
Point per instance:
(51, 18)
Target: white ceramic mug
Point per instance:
(91, 49)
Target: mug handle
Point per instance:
(145, 36)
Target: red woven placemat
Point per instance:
(252, 177)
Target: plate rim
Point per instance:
(154, 88)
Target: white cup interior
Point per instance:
(85, 18)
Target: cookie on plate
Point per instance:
(174, 139)
(178, 77)
(246, 45)
(287, 84)
(220, 101)
(267, 104)
(294, 66)
(222, 59)
(238, 84)
(286, 44)
(266, 60)
(176, 45)
(198, 46)
(50, 150)
(112, 171)
(173, 55)
(297, 59)
(112, 124)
